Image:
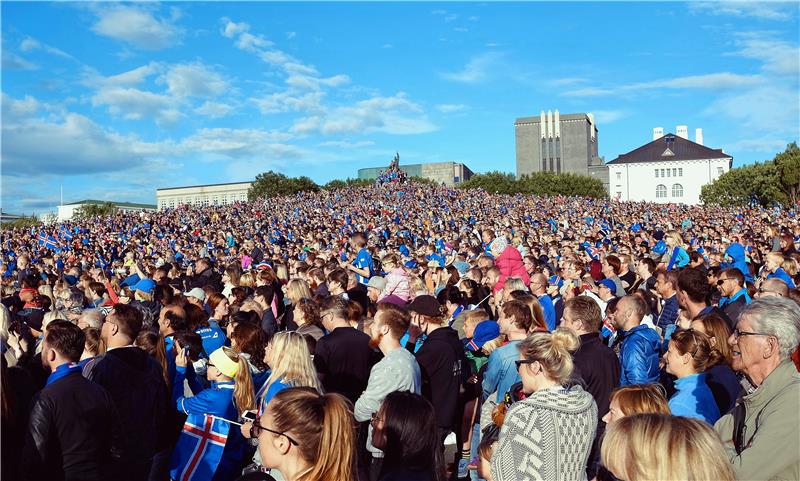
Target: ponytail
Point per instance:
(338, 427)
(161, 357)
(553, 351)
(243, 393)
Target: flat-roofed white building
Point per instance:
(202, 195)
(67, 211)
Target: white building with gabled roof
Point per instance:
(669, 169)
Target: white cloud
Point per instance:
(290, 35)
(29, 43)
(288, 102)
(777, 56)
(238, 143)
(136, 26)
(231, 29)
(608, 116)
(194, 80)
(761, 10)
(476, 70)
(74, 145)
(135, 104)
(769, 145)
(12, 61)
(772, 108)
(344, 144)
(450, 108)
(213, 110)
(387, 45)
(129, 78)
(19, 108)
(393, 115)
(307, 82)
(713, 81)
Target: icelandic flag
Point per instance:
(48, 241)
(199, 449)
(65, 234)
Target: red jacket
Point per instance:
(510, 264)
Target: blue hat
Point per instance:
(485, 331)
(131, 280)
(71, 280)
(660, 248)
(556, 281)
(145, 285)
(609, 284)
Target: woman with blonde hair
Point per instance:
(308, 436)
(636, 399)
(676, 255)
(556, 423)
(646, 447)
(247, 280)
(231, 392)
(294, 290)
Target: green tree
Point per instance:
(87, 211)
(758, 183)
(273, 184)
(539, 183)
(342, 184)
(788, 165)
(23, 222)
(493, 182)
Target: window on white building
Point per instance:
(674, 172)
(656, 173)
(668, 173)
(720, 170)
(662, 173)
(661, 191)
(215, 199)
(677, 190)
(680, 171)
(619, 175)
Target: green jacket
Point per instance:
(772, 429)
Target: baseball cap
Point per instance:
(426, 305)
(485, 331)
(609, 284)
(145, 285)
(196, 292)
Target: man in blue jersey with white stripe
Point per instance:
(362, 264)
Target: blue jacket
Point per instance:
(669, 312)
(736, 252)
(638, 356)
(693, 399)
(678, 259)
(501, 372)
(549, 311)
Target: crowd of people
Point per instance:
(404, 332)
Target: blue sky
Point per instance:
(114, 100)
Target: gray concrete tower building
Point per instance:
(559, 143)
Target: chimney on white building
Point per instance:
(658, 132)
(698, 136)
(682, 131)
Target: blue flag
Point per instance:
(199, 449)
(49, 241)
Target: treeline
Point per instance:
(273, 184)
(539, 183)
(774, 182)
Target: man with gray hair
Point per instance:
(760, 433)
(91, 318)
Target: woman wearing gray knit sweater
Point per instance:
(549, 434)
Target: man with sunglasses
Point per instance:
(760, 434)
(734, 293)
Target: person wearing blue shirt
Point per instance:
(773, 269)
(539, 284)
(362, 265)
(688, 355)
(231, 391)
(501, 372)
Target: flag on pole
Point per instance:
(49, 242)
(199, 449)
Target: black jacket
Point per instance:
(207, 277)
(135, 382)
(73, 433)
(441, 361)
(343, 359)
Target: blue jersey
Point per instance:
(364, 261)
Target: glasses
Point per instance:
(766, 291)
(255, 431)
(739, 333)
(520, 362)
(722, 281)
